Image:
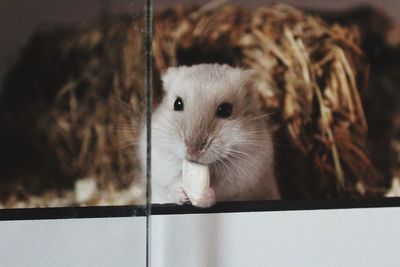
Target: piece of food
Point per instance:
(196, 179)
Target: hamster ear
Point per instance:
(247, 78)
(249, 75)
(168, 76)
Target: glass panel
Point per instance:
(318, 118)
(302, 122)
(72, 103)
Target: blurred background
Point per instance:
(72, 95)
(20, 19)
(72, 80)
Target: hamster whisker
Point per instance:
(125, 143)
(170, 121)
(260, 116)
(171, 125)
(165, 137)
(255, 132)
(254, 135)
(115, 100)
(162, 131)
(243, 154)
(125, 124)
(222, 164)
(166, 124)
(239, 166)
(236, 151)
(239, 155)
(253, 142)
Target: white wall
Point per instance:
(74, 242)
(351, 237)
(348, 237)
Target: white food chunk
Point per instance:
(196, 179)
(85, 189)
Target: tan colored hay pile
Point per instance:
(66, 127)
(83, 91)
(309, 77)
(92, 131)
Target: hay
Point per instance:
(83, 99)
(309, 77)
(83, 93)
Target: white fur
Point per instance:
(240, 153)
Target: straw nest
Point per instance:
(309, 78)
(81, 118)
(83, 101)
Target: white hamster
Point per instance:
(209, 114)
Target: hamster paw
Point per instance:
(180, 196)
(207, 199)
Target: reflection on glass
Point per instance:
(72, 101)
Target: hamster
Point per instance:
(209, 114)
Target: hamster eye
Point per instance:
(224, 110)
(178, 104)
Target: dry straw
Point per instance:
(67, 125)
(309, 77)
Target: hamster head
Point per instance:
(207, 112)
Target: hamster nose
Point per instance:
(193, 152)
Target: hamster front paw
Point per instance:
(206, 199)
(180, 196)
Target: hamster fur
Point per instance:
(219, 125)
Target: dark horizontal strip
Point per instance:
(224, 207)
(278, 205)
(71, 212)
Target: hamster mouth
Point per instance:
(196, 159)
(201, 160)
(198, 152)
(193, 158)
